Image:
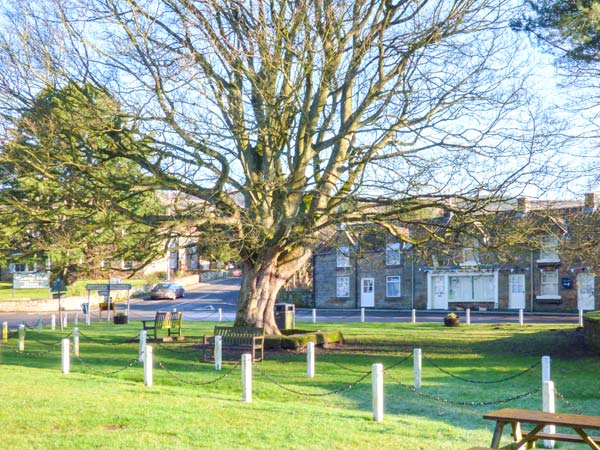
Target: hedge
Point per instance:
(591, 330)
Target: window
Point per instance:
(342, 287)
(393, 287)
(470, 257)
(549, 287)
(468, 288)
(392, 254)
(343, 256)
(549, 249)
(17, 267)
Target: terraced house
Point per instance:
(530, 254)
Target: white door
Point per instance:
(440, 299)
(585, 291)
(516, 291)
(367, 292)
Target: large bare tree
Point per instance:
(287, 118)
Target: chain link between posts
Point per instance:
(198, 383)
(130, 364)
(464, 403)
(570, 405)
(510, 377)
(97, 341)
(309, 394)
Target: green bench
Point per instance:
(237, 340)
(170, 321)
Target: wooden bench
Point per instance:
(564, 437)
(106, 307)
(238, 340)
(170, 321)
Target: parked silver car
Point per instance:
(167, 290)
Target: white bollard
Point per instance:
(148, 361)
(310, 360)
(314, 315)
(76, 319)
(468, 311)
(5, 332)
(76, 342)
(220, 315)
(414, 316)
(546, 369)
(378, 392)
(53, 322)
(142, 347)
(40, 324)
(548, 406)
(65, 320)
(417, 367)
(362, 315)
(88, 315)
(247, 377)
(218, 352)
(580, 317)
(21, 338)
(66, 359)
(521, 317)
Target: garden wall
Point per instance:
(591, 330)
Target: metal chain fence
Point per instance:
(130, 364)
(310, 394)
(104, 342)
(464, 403)
(570, 405)
(198, 383)
(500, 380)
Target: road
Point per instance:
(203, 301)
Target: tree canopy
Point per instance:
(54, 210)
(285, 119)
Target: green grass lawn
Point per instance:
(103, 402)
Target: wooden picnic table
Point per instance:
(526, 439)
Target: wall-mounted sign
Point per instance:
(566, 283)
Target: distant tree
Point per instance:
(50, 208)
(285, 119)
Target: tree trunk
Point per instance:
(261, 282)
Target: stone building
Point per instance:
(545, 270)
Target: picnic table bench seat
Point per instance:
(170, 321)
(236, 340)
(564, 437)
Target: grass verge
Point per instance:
(103, 403)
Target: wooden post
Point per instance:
(53, 322)
(362, 315)
(66, 359)
(310, 360)
(76, 319)
(76, 342)
(148, 361)
(218, 352)
(545, 369)
(142, 347)
(548, 406)
(247, 377)
(417, 367)
(414, 316)
(5, 332)
(314, 315)
(220, 315)
(21, 338)
(468, 311)
(580, 317)
(377, 392)
(521, 317)
(65, 320)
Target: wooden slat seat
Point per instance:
(564, 437)
(236, 340)
(170, 321)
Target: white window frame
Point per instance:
(343, 256)
(470, 256)
(342, 287)
(393, 256)
(549, 249)
(549, 285)
(392, 279)
(17, 267)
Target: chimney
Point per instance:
(591, 201)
